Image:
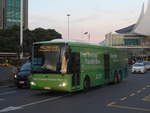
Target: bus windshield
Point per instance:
(49, 59)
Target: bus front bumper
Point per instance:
(63, 86)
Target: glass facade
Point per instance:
(12, 13)
(132, 42)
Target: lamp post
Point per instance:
(21, 29)
(89, 35)
(68, 15)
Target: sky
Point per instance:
(97, 17)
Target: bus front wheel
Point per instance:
(86, 83)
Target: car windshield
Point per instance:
(48, 58)
(138, 65)
(26, 67)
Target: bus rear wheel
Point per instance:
(86, 83)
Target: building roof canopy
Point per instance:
(126, 30)
(141, 27)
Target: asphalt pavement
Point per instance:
(6, 76)
(130, 96)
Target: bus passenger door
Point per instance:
(107, 66)
(76, 69)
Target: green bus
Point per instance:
(73, 66)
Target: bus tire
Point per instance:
(86, 83)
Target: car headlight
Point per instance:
(15, 76)
(33, 83)
(63, 84)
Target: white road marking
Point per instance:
(124, 98)
(148, 86)
(133, 94)
(139, 91)
(13, 108)
(7, 93)
(144, 88)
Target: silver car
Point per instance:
(138, 68)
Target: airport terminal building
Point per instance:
(134, 38)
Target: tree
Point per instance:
(10, 38)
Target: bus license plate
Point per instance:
(21, 82)
(47, 88)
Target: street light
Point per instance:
(88, 34)
(68, 15)
(89, 37)
(21, 28)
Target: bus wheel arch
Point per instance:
(87, 82)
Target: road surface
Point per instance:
(130, 96)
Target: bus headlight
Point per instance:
(63, 84)
(32, 83)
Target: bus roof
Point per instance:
(71, 42)
(65, 41)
